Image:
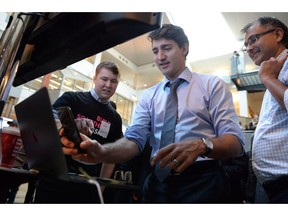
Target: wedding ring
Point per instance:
(176, 162)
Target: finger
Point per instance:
(182, 167)
(78, 124)
(81, 125)
(175, 163)
(80, 157)
(84, 137)
(90, 123)
(69, 151)
(84, 127)
(66, 142)
(165, 151)
(167, 161)
(174, 152)
(162, 156)
(184, 164)
(61, 132)
(86, 142)
(87, 124)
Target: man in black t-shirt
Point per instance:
(105, 125)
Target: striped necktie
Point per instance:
(168, 130)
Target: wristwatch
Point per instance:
(208, 145)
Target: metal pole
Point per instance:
(9, 44)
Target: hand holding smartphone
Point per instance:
(70, 129)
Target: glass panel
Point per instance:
(79, 85)
(34, 85)
(124, 108)
(55, 80)
(68, 84)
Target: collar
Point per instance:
(186, 75)
(96, 97)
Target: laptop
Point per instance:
(42, 145)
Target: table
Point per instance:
(11, 177)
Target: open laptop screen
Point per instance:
(39, 134)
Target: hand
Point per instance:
(185, 154)
(93, 148)
(271, 68)
(84, 126)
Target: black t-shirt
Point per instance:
(107, 122)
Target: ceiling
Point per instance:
(236, 21)
(138, 51)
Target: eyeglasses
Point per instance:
(253, 38)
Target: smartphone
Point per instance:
(70, 129)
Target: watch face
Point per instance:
(209, 146)
(209, 143)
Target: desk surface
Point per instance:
(11, 173)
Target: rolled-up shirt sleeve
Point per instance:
(140, 129)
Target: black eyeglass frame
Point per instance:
(254, 38)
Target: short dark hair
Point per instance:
(108, 65)
(272, 22)
(170, 32)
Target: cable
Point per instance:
(94, 182)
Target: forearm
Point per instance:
(120, 151)
(226, 146)
(107, 170)
(277, 89)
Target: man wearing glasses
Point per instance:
(266, 42)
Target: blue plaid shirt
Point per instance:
(270, 144)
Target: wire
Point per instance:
(94, 182)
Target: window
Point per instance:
(124, 108)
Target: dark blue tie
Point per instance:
(168, 130)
